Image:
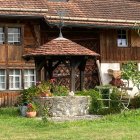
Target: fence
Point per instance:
(8, 99)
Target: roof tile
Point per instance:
(61, 47)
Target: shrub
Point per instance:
(135, 102)
(60, 91)
(98, 106)
(51, 87)
(115, 103)
(27, 95)
(44, 87)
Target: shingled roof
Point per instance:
(96, 12)
(104, 9)
(91, 12)
(61, 47)
(22, 7)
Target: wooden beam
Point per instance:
(7, 78)
(22, 78)
(40, 64)
(72, 76)
(46, 72)
(99, 72)
(38, 71)
(82, 84)
(82, 69)
(50, 69)
(35, 32)
(56, 65)
(74, 63)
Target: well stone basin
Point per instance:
(65, 105)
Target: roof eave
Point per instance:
(93, 22)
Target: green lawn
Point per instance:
(124, 126)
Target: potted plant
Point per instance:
(31, 110)
(26, 97)
(44, 89)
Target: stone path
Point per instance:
(74, 118)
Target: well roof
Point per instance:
(61, 47)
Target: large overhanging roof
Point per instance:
(93, 22)
(119, 13)
(22, 8)
(114, 13)
(60, 47)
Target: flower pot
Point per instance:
(44, 94)
(31, 114)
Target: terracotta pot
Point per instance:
(31, 114)
(44, 94)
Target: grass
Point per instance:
(125, 126)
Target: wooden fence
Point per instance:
(8, 99)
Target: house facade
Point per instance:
(110, 29)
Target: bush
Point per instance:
(98, 106)
(115, 103)
(60, 91)
(27, 95)
(135, 102)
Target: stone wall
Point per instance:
(65, 105)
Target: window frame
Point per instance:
(14, 76)
(3, 34)
(13, 34)
(122, 35)
(29, 75)
(4, 79)
(5, 28)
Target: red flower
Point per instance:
(52, 81)
(31, 107)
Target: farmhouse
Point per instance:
(108, 28)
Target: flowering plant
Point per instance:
(31, 107)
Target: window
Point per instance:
(29, 78)
(122, 40)
(1, 35)
(14, 36)
(2, 80)
(14, 79)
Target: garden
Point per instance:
(37, 105)
(124, 126)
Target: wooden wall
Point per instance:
(11, 55)
(110, 52)
(9, 98)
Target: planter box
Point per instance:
(64, 105)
